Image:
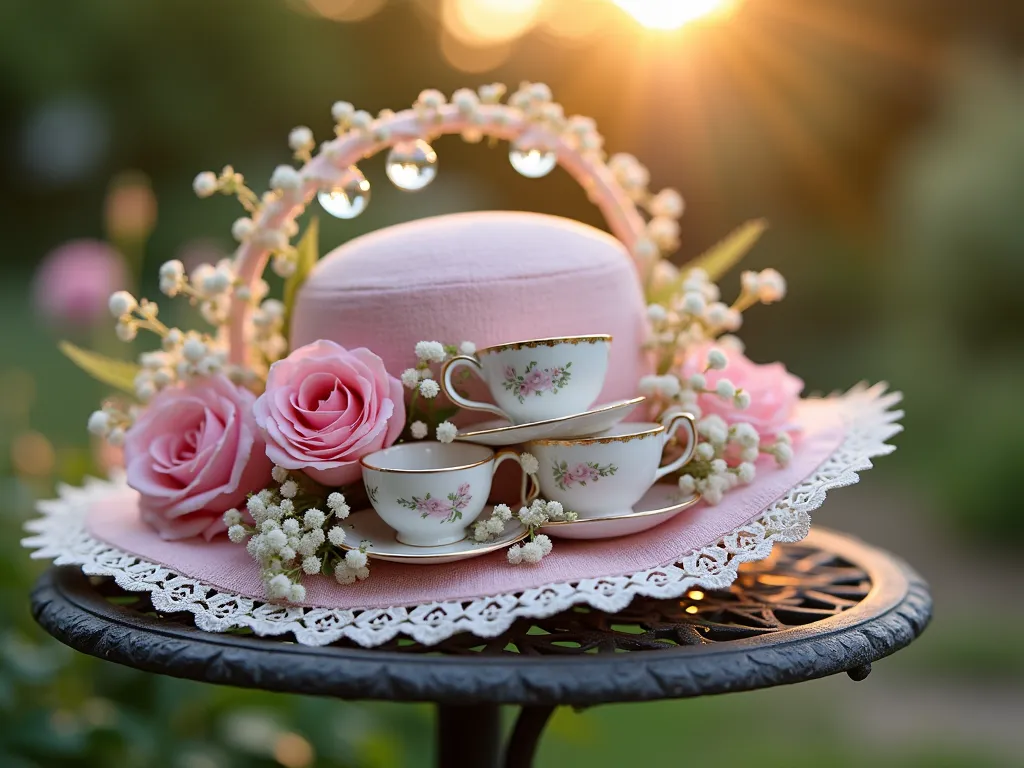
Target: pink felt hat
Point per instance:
(487, 277)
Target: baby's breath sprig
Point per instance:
(539, 546)
(423, 415)
(294, 534)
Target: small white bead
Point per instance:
(99, 423)
(717, 360)
(116, 437)
(194, 350)
(429, 389)
(342, 110)
(410, 378)
(242, 228)
(122, 303)
(355, 559)
(205, 184)
(285, 178)
(301, 138)
(446, 432)
(725, 388)
(467, 348)
(418, 430)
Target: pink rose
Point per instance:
(325, 407)
(578, 474)
(195, 453)
(538, 380)
(774, 392)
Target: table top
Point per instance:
(829, 604)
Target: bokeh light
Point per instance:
(672, 14)
(482, 22)
(345, 10)
(473, 58)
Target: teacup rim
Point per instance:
(601, 439)
(395, 470)
(548, 341)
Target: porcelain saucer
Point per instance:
(366, 525)
(661, 503)
(500, 432)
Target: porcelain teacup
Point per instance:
(607, 474)
(536, 380)
(431, 492)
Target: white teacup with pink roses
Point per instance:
(536, 380)
(605, 475)
(430, 493)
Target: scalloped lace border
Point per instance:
(60, 535)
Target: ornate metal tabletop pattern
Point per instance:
(827, 605)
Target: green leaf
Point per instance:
(119, 374)
(719, 258)
(308, 251)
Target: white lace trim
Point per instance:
(60, 534)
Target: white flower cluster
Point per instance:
(670, 389)
(183, 355)
(711, 474)
(268, 330)
(291, 536)
(539, 513)
(112, 422)
(485, 530)
(420, 379)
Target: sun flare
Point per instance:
(673, 14)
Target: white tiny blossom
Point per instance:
(311, 565)
(279, 587)
(410, 378)
(116, 437)
(276, 538)
(446, 432)
(287, 507)
(693, 302)
(344, 574)
(301, 138)
(656, 313)
(750, 282)
(122, 303)
(205, 184)
(290, 526)
(232, 517)
(705, 451)
(465, 100)
(355, 559)
(336, 503)
(99, 423)
(242, 228)
(686, 484)
(529, 463)
(193, 350)
(467, 348)
(668, 203)
(544, 542)
(314, 518)
(725, 388)
(717, 313)
(784, 437)
(285, 178)
(718, 466)
(430, 351)
(256, 506)
(668, 385)
(296, 593)
(783, 454)
(742, 400)
(749, 454)
(733, 321)
(336, 535)
(532, 553)
(279, 474)
(429, 389)
(554, 510)
(284, 266)
(290, 489)
(502, 512)
(287, 553)
(771, 286)
(746, 435)
(648, 385)
(431, 98)
(342, 110)
(236, 534)
(480, 532)
(698, 381)
(418, 429)
(494, 526)
(717, 360)
(515, 554)
(746, 473)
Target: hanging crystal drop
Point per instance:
(349, 197)
(532, 163)
(411, 165)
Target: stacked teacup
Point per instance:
(544, 391)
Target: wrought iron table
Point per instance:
(829, 604)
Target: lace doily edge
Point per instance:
(60, 535)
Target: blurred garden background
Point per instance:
(882, 139)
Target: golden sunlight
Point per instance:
(672, 14)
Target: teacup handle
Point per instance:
(448, 388)
(671, 427)
(526, 498)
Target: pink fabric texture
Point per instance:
(486, 277)
(326, 407)
(228, 567)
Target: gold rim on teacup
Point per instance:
(592, 338)
(376, 554)
(493, 455)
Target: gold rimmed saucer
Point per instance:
(500, 432)
(661, 503)
(367, 526)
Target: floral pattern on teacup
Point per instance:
(536, 381)
(371, 492)
(449, 509)
(582, 473)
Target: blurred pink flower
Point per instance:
(130, 207)
(74, 281)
